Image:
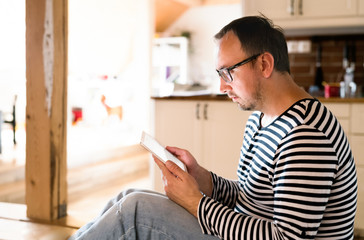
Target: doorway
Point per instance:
(107, 101)
(12, 100)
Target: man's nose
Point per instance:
(224, 86)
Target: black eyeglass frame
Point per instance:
(223, 72)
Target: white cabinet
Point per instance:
(351, 117)
(342, 113)
(329, 8)
(359, 218)
(211, 130)
(357, 119)
(361, 7)
(288, 9)
(281, 9)
(222, 137)
(357, 132)
(326, 8)
(357, 144)
(291, 14)
(176, 124)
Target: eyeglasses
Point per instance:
(225, 74)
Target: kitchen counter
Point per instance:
(210, 97)
(223, 97)
(342, 100)
(203, 112)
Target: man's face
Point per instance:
(245, 87)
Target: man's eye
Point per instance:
(226, 72)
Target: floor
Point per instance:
(89, 189)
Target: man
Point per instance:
(297, 177)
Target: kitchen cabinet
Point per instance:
(351, 117)
(326, 8)
(342, 113)
(357, 143)
(211, 130)
(361, 7)
(359, 218)
(357, 120)
(308, 13)
(272, 9)
(289, 9)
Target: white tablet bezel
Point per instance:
(158, 150)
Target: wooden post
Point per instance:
(46, 111)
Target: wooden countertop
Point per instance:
(208, 97)
(342, 100)
(222, 97)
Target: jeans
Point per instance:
(136, 214)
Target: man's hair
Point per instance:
(258, 34)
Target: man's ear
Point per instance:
(267, 64)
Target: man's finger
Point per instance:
(158, 162)
(162, 166)
(174, 169)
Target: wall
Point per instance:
(211, 18)
(108, 37)
(12, 57)
(109, 54)
(109, 43)
(203, 23)
(303, 64)
(103, 35)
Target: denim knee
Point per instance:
(134, 199)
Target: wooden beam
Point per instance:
(166, 12)
(195, 3)
(46, 111)
(219, 2)
(190, 3)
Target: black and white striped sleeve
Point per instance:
(225, 191)
(302, 177)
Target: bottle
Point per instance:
(349, 75)
(348, 86)
(317, 90)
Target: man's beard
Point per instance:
(246, 107)
(253, 104)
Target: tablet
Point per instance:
(153, 146)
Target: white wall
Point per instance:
(12, 56)
(109, 37)
(100, 35)
(113, 38)
(203, 23)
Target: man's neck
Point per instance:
(278, 98)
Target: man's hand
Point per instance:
(186, 157)
(180, 186)
(201, 175)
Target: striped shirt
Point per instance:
(297, 180)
